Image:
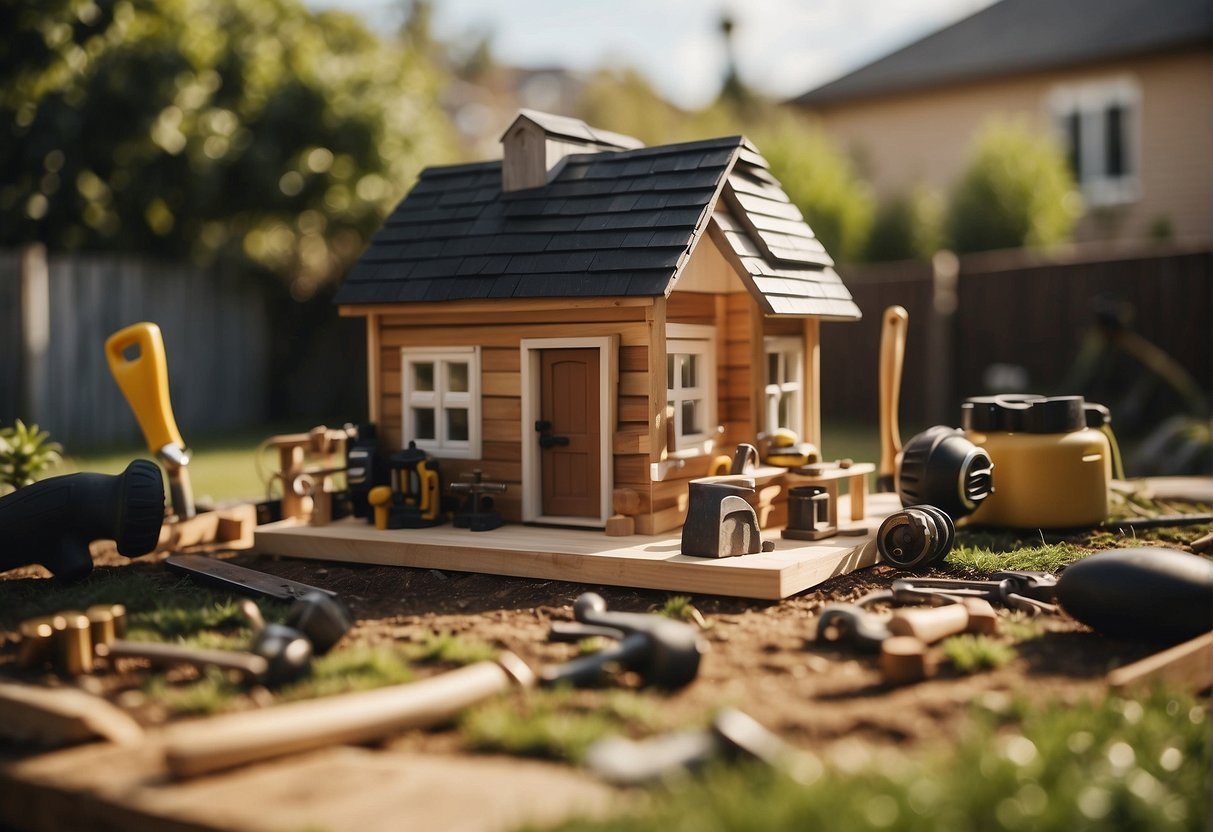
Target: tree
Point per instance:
(1016, 191)
(208, 127)
(820, 180)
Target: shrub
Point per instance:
(1017, 191)
(908, 227)
(821, 181)
(25, 454)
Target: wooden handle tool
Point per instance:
(932, 624)
(892, 354)
(247, 737)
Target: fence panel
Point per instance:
(215, 335)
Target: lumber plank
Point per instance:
(588, 556)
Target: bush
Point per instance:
(1017, 191)
(907, 228)
(821, 181)
(25, 454)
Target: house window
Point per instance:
(441, 397)
(1097, 125)
(785, 384)
(691, 386)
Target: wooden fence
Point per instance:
(1010, 308)
(56, 312)
(239, 353)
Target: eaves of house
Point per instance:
(1014, 37)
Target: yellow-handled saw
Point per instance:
(136, 358)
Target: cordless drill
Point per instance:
(53, 521)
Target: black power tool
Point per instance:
(53, 521)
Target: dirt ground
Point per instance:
(762, 656)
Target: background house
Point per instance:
(1125, 85)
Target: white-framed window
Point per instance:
(1097, 123)
(441, 397)
(785, 384)
(691, 386)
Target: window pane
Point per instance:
(785, 411)
(690, 370)
(457, 424)
(1114, 136)
(423, 377)
(423, 423)
(669, 372)
(772, 368)
(1074, 140)
(690, 417)
(456, 377)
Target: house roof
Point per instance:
(575, 128)
(1018, 36)
(615, 223)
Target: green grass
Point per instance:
(221, 469)
(974, 653)
(448, 648)
(558, 724)
(1109, 764)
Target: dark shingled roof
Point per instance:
(1018, 36)
(617, 223)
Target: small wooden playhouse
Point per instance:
(592, 321)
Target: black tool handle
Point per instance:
(53, 521)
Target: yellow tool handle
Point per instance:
(143, 379)
(428, 486)
(892, 355)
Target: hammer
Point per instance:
(665, 653)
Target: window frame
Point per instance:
(1085, 106)
(785, 346)
(698, 340)
(440, 399)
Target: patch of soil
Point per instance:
(762, 656)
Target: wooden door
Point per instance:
(569, 433)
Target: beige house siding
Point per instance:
(924, 138)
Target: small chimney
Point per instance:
(536, 143)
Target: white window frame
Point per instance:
(439, 399)
(790, 354)
(693, 339)
(1090, 100)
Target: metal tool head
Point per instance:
(915, 537)
(851, 624)
(322, 618)
(663, 652)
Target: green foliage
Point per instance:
(1016, 191)
(556, 723)
(448, 648)
(253, 128)
(25, 454)
(907, 228)
(973, 653)
(983, 553)
(1111, 764)
(349, 670)
(820, 180)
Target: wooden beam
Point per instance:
(373, 378)
(657, 380)
(812, 381)
(424, 310)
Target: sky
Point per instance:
(784, 47)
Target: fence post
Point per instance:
(941, 339)
(35, 328)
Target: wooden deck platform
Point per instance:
(589, 556)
